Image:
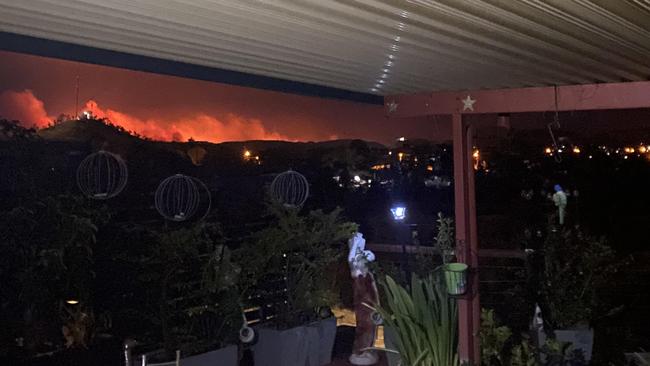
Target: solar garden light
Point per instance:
(399, 212)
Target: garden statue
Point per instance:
(365, 296)
(559, 198)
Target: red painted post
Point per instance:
(466, 240)
(473, 248)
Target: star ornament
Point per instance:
(392, 106)
(468, 103)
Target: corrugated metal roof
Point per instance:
(373, 46)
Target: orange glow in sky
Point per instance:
(35, 90)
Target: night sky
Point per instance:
(36, 90)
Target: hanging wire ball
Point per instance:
(290, 189)
(179, 197)
(102, 175)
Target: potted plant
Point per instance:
(290, 266)
(47, 266)
(498, 349)
(575, 266)
(455, 273)
(493, 337)
(423, 320)
(190, 272)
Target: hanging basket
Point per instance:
(290, 189)
(102, 175)
(455, 278)
(179, 197)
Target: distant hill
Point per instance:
(102, 135)
(85, 130)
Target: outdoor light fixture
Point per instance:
(399, 212)
(72, 302)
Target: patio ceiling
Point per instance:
(379, 47)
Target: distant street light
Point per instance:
(399, 212)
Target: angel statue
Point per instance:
(559, 198)
(365, 295)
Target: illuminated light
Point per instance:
(257, 157)
(476, 155)
(399, 212)
(430, 168)
(548, 150)
(576, 150)
(357, 178)
(247, 154)
(402, 138)
(590, 156)
(72, 302)
(608, 153)
(629, 150)
(390, 153)
(625, 157)
(643, 149)
(559, 150)
(400, 156)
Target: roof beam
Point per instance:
(75, 52)
(538, 99)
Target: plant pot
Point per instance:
(308, 345)
(637, 358)
(227, 356)
(455, 278)
(580, 339)
(326, 329)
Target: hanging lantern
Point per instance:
(290, 189)
(179, 197)
(102, 175)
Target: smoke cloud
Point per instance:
(25, 107)
(200, 127)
